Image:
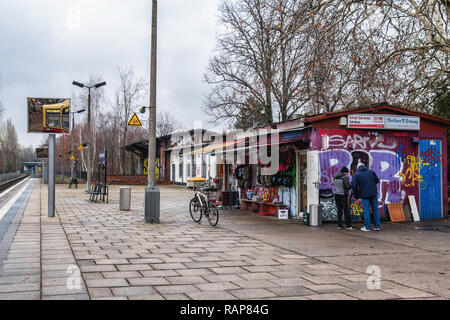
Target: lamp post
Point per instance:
(88, 162)
(152, 195)
(72, 172)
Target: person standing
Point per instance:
(341, 184)
(364, 185)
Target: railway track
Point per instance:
(5, 185)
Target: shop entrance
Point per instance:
(301, 172)
(430, 186)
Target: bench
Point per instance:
(98, 189)
(255, 206)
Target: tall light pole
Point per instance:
(72, 171)
(152, 196)
(88, 162)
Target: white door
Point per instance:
(313, 177)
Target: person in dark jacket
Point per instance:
(341, 184)
(364, 185)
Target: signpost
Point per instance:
(49, 116)
(383, 121)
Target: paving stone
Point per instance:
(211, 295)
(217, 286)
(291, 282)
(103, 283)
(186, 280)
(19, 279)
(165, 273)
(194, 272)
(178, 296)
(67, 297)
(330, 296)
(326, 288)
(176, 289)
(19, 287)
(155, 281)
(291, 291)
(134, 291)
(147, 297)
(252, 293)
(134, 267)
(371, 295)
(121, 274)
(30, 295)
(409, 293)
(100, 292)
(98, 268)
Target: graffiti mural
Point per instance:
(394, 159)
(412, 176)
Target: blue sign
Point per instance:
(291, 135)
(102, 158)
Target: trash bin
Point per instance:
(315, 218)
(125, 198)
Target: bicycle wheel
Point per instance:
(195, 210)
(213, 214)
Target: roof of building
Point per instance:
(376, 108)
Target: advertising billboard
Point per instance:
(41, 153)
(48, 115)
(383, 121)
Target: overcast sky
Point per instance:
(46, 44)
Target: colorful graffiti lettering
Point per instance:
(412, 174)
(431, 156)
(358, 142)
(384, 162)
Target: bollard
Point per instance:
(125, 198)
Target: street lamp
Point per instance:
(96, 86)
(73, 150)
(152, 195)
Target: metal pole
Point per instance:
(62, 159)
(51, 174)
(88, 161)
(152, 195)
(73, 151)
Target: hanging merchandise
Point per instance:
(243, 175)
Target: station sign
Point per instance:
(383, 121)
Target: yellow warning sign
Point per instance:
(134, 121)
(72, 158)
(80, 148)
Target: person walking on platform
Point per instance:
(364, 186)
(341, 184)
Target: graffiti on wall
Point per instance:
(412, 176)
(384, 162)
(392, 156)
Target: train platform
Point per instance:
(94, 251)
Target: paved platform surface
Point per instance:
(95, 251)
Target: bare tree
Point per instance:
(166, 123)
(130, 92)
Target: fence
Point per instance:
(8, 176)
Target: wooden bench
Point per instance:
(260, 206)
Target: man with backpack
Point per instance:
(364, 185)
(341, 184)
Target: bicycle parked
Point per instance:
(201, 205)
